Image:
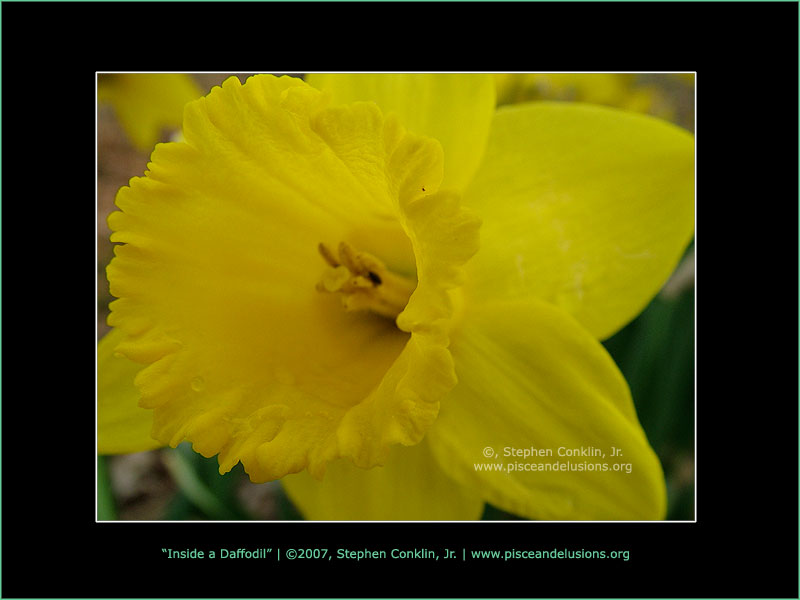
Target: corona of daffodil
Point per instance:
(373, 286)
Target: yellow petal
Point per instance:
(122, 426)
(456, 109)
(147, 103)
(586, 207)
(531, 377)
(409, 487)
(217, 280)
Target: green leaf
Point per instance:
(106, 506)
(186, 468)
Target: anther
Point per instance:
(328, 255)
(364, 282)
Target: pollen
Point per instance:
(364, 282)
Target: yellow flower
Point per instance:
(620, 90)
(145, 104)
(308, 284)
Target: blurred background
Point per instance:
(655, 351)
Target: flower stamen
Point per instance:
(364, 282)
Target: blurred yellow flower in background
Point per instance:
(147, 103)
(304, 288)
(621, 90)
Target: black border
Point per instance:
(745, 541)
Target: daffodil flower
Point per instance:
(620, 90)
(147, 103)
(373, 286)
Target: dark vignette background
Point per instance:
(745, 541)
